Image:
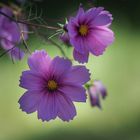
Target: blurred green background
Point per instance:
(118, 68)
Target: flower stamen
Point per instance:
(83, 30)
(52, 85)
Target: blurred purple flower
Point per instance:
(10, 35)
(95, 91)
(89, 32)
(53, 85)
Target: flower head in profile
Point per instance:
(64, 37)
(95, 91)
(89, 32)
(52, 86)
(10, 35)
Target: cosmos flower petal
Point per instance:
(94, 97)
(14, 30)
(79, 44)
(94, 47)
(7, 11)
(95, 91)
(60, 66)
(73, 76)
(80, 12)
(48, 108)
(110, 16)
(72, 27)
(66, 109)
(6, 40)
(74, 92)
(65, 38)
(101, 88)
(30, 80)
(29, 102)
(92, 13)
(16, 53)
(104, 35)
(39, 61)
(101, 20)
(11, 29)
(98, 41)
(81, 58)
(7, 43)
(4, 19)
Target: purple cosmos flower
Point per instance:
(10, 35)
(95, 91)
(89, 32)
(52, 86)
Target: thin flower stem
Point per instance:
(52, 42)
(5, 52)
(55, 44)
(24, 42)
(29, 23)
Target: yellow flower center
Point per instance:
(52, 85)
(83, 30)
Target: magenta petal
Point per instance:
(29, 102)
(39, 61)
(31, 81)
(98, 41)
(66, 109)
(96, 47)
(81, 58)
(74, 92)
(60, 66)
(102, 20)
(48, 107)
(104, 35)
(74, 76)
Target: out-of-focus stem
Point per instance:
(55, 44)
(29, 23)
